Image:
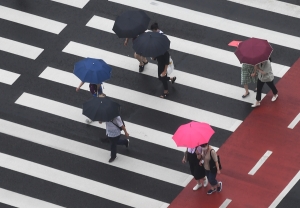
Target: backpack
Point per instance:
(93, 88)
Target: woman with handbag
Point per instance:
(197, 171)
(265, 75)
(211, 166)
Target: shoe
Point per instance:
(173, 80)
(211, 191)
(205, 182)
(145, 63)
(141, 68)
(274, 97)
(197, 186)
(111, 159)
(255, 90)
(220, 187)
(255, 105)
(246, 95)
(88, 121)
(127, 145)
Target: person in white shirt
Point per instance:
(196, 170)
(113, 132)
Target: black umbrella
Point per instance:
(151, 44)
(101, 109)
(130, 24)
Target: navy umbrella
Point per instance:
(91, 70)
(151, 44)
(130, 24)
(101, 109)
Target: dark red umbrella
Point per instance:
(253, 51)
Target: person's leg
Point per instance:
(113, 146)
(213, 182)
(274, 90)
(246, 91)
(164, 80)
(260, 85)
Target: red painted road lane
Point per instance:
(264, 129)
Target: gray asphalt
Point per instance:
(54, 57)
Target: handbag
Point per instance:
(212, 164)
(170, 68)
(268, 77)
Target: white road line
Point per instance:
(19, 49)
(19, 200)
(8, 77)
(76, 182)
(279, 7)
(225, 203)
(213, 21)
(294, 122)
(75, 3)
(190, 80)
(260, 162)
(31, 20)
(148, 101)
(285, 191)
(91, 152)
(193, 48)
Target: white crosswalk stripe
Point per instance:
(19, 200)
(33, 107)
(20, 49)
(8, 77)
(31, 20)
(213, 22)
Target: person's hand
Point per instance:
(200, 163)
(100, 122)
(219, 172)
(125, 42)
(77, 89)
(126, 134)
(253, 74)
(163, 74)
(183, 160)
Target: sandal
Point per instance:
(173, 80)
(246, 95)
(146, 63)
(141, 68)
(165, 95)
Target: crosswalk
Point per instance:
(52, 158)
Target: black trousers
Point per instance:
(165, 81)
(260, 85)
(114, 141)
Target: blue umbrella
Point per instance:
(91, 70)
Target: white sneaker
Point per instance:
(274, 97)
(205, 182)
(255, 105)
(197, 186)
(88, 121)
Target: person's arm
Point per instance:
(260, 70)
(77, 89)
(126, 41)
(124, 129)
(215, 158)
(184, 156)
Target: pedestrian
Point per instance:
(197, 170)
(207, 154)
(163, 61)
(96, 90)
(246, 77)
(265, 75)
(113, 132)
(154, 27)
(142, 60)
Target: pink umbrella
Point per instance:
(193, 134)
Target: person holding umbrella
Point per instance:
(196, 170)
(113, 132)
(265, 75)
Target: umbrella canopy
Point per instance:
(253, 51)
(101, 109)
(151, 44)
(91, 70)
(193, 134)
(130, 24)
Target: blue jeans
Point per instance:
(211, 177)
(114, 141)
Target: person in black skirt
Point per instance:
(196, 170)
(163, 61)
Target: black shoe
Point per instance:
(173, 80)
(220, 187)
(145, 63)
(246, 95)
(112, 159)
(127, 145)
(211, 191)
(141, 68)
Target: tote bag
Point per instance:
(170, 68)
